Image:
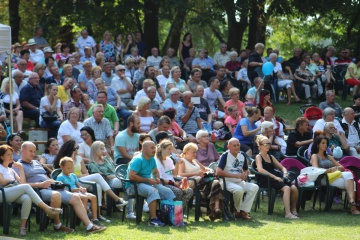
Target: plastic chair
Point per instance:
(300, 156)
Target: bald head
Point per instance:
(28, 151)
(234, 146)
(148, 144)
(27, 144)
(349, 115)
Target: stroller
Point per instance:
(311, 113)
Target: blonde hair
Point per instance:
(72, 110)
(233, 90)
(66, 66)
(164, 144)
(94, 69)
(149, 81)
(87, 63)
(3, 84)
(94, 148)
(259, 139)
(39, 66)
(188, 147)
(142, 101)
(65, 160)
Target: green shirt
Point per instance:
(109, 114)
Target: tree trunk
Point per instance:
(252, 25)
(173, 38)
(261, 23)
(14, 19)
(151, 24)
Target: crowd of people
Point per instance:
(112, 103)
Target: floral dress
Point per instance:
(108, 48)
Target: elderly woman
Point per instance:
(283, 82)
(338, 139)
(67, 71)
(130, 69)
(112, 97)
(107, 46)
(195, 79)
(211, 191)
(85, 77)
(51, 104)
(234, 101)
(20, 192)
(206, 153)
(144, 114)
(64, 90)
(305, 79)
(70, 128)
(267, 164)
(352, 75)
(246, 130)
(134, 54)
(267, 130)
(91, 87)
(173, 100)
(233, 65)
(17, 112)
(175, 81)
(328, 116)
(319, 159)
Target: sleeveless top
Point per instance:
(185, 50)
(77, 165)
(268, 166)
(191, 167)
(145, 123)
(324, 163)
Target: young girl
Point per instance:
(249, 100)
(47, 158)
(68, 177)
(232, 119)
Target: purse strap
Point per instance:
(189, 117)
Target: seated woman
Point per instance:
(212, 192)
(69, 149)
(51, 104)
(320, 159)
(246, 130)
(144, 114)
(20, 192)
(352, 75)
(176, 81)
(88, 135)
(305, 80)
(265, 101)
(166, 167)
(173, 100)
(206, 153)
(235, 100)
(267, 164)
(316, 134)
(47, 158)
(267, 130)
(17, 112)
(14, 141)
(70, 128)
(338, 139)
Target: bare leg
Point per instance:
(292, 87)
(152, 208)
(111, 194)
(286, 200)
(288, 91)
(294, 198)
(94, 206)
(23, 223)
(56, 203)
(75, 201)
(349, 186)
(19, 120)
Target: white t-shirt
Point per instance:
(37, 56)
(84, 149)
(165, 171)
(142, 93)
(45, 102)
(162, 81)
(212, 97)
(118, 84)
(67, 129)
(154, 61)
(81, 43)
(15, 97)
(8, 173)
(277, 67)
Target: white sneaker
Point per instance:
(281, 98)
(131, 215)
(146, 207)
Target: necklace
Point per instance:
(203, 151)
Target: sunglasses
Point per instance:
(265, 144)
(76, 148)
(121, 70)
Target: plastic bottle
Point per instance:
(213, 137)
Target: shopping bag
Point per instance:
(174, 210)
(334, 175)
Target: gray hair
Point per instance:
(272, 55)
(327, 111)
(327, 125)
(173, 90)
(201, 133)
(266, 124)
(97, 106)
(259, 46)
(151, 88)
(233, 53)
(187, 93)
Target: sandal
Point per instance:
(295, 214)
(297, 99)
(355, 211)
(355, 204)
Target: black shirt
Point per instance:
(204, 109)
(295, 136)
(254, 57)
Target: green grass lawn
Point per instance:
(336, 224)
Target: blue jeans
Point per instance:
(54, 126)
(124, 114)
(33, 114)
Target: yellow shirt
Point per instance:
(356, 71)
(62, 94)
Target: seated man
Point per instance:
(56, 76)
(75, 101)
(123, 86)
(233, 166)
(107, 74)
(164, 124)
(328, 116)
(351, 128)
(140, 170)
(213, 96)
(36, 176)
(203, 106)
(330, 102)
(154, 104)
(143, 92)
(299, 137)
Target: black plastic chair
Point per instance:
(301, 155)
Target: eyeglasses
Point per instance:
(84, 135)
(74, 88)
(205, 136)
(76, 148)
(98, 84)
(265, 144)
(121, 70)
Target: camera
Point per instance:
(57, 186)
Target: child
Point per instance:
(232, 119)
(249, 100)
(242, 75)
(68, 177)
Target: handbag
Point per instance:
(49, 117)
(174, 211)
(333, 176)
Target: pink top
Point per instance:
(232, 122)
(175, 129)
(240, 106)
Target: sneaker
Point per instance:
(64, 229)
(156, 223)
(121, 202)
(97, 223)
(22, 231)
(95, 229)
(131, 215)
(101, 218)
(146, 207)
(281, 98)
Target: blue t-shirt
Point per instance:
(123, 139)
(72, 179)
(239, 134)
(142, 167)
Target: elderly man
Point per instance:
(223, 56)
(154, 59)
(30, 96)
(36, 55)
(188, 116)
(173, 100)
(150, 74)
(330, 102)
(296, 59)
(299, 137)
(143, 92)
(351, 128)
(123, 86)
(255, 61)
(164, 124)
(140, 170)
(174, 61)
(101, 126)
(315, 71)
(256, 89)
(56, 76)
(87, 56)
(22, 63)
(127, 141)
(85, 41)
(36, 176)
(75, 101)
(203, 106)
(154, 104)
(328, 116)
(19, 82)
(107, 74)
(233, 166)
